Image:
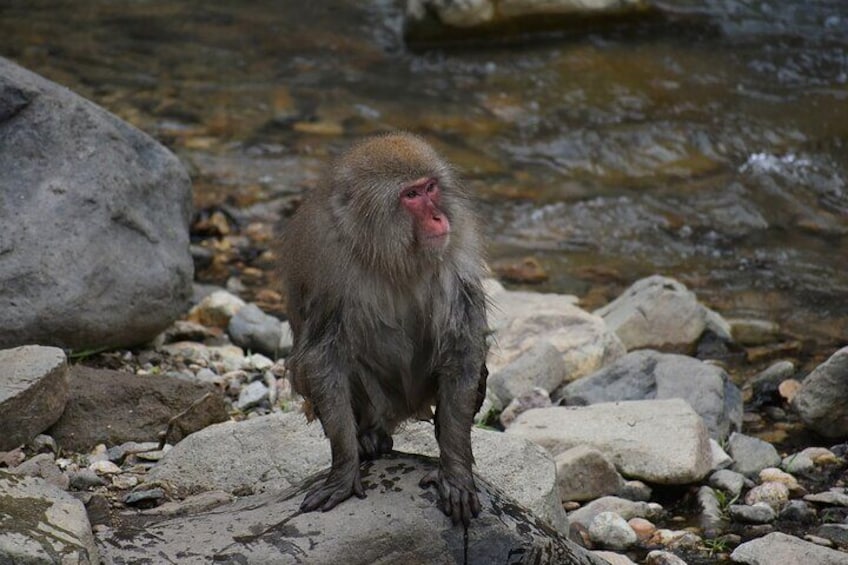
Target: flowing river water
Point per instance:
(710, 145)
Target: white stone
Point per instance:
(660, 441)
(520, 320)
(608, 529)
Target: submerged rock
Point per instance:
(429, 20)
(398, 522)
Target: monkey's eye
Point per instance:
(431, 186)
(411, 194)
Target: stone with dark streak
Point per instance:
(398, 522)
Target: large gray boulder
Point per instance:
(94, 250)
(398, 522)
(33, 392)
(647, 374)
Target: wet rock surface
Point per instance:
(270, 527)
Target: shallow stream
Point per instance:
(710, 145)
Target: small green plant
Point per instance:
(831, 516)
(725, 501)
(83, 354)
(715, 546)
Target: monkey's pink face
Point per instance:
(421, 199)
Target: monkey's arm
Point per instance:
(461, 386)
(321, 368)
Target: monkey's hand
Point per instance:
(458, 494)
(342, 482)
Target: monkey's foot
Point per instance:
(374, 443)
(339, 486)
(458, 495)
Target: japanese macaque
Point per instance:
(382, 264)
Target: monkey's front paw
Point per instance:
(339, 486)
(458, 494)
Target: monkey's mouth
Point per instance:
(437, 240)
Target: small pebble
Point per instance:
(728, 481)
(836, 497)
(613, 558)
(252, 395)
(43, 442)
(798, 511)
(141, 496)
(774, 475)
(104, 467)
(84, 479)
(124, 482)
(610, 530)
(773, 494)
(644, 528)
(759, 513)
(818, 540)
(635, 490)
(659, 557)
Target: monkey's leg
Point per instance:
(331, 397)
(371, 407)
(456, 401)
(374, 442)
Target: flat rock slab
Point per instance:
(786, 550)
(114, 407)
(33, 392)
(398, 522)
(40, 523)
(661, 441)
